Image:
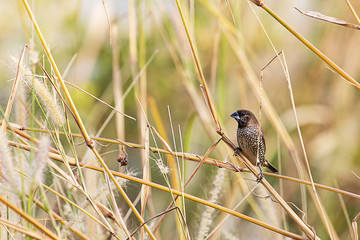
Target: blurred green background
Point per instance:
(328, 107)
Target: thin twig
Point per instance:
(80, 124)
(14, 88)
(187, 182)
(328, 61)
(187, 156)
(158, 215)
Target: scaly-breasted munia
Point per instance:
(251, 139)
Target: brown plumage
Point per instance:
(248, 139)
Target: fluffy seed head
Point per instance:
(36, 174)
(55, 112)
(7, 164)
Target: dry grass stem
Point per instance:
(353, 11)
(292, 214)
(325, 18)
(30, 219)
(324, 216)
(328, 61)
(78, 120)
(187, 156)
(75, 164)
(19, 74)
(26, 232)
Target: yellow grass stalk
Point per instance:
(251, 167)
(16, 227)
(29, 218)
(79, 122)
(315, 50)
(52, 155)
(10, 102)
(187, 156)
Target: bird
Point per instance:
(251, 140)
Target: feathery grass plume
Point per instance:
(7, 164)
(21, 93)
(56, 114)
(74, 219)
(20, 105)
(34, 55)
(206, 219)
(228, 236)
(270, 209)
(24, 71)
(102, 193)
(163, 168)
(37, 168)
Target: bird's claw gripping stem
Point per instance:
(236, 150)
(261, 175)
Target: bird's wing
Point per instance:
(263, 139)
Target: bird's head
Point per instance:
(245, 118)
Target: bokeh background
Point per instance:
(328, 108)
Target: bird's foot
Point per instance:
(261, 175)
(236, 150)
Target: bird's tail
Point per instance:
(269, 166)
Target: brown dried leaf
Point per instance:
(325, 18)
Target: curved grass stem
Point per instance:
(79, 122)
(327, 60)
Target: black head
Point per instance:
(244, 118)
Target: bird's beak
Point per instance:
(235, 115)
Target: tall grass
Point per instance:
(115, 115)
